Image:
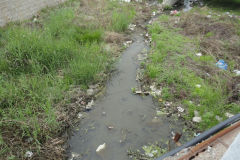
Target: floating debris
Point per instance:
(80, 115)
(104, 113)
(131, 27)
(127, 43)
(101, 148)
(89, 105)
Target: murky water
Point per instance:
(129, 115)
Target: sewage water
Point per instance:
(131, 116)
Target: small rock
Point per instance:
(229, 115)
(197, 119)
(101, 148)
(90, 92)
(28, 154)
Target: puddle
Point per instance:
(120, 119)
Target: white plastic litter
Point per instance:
(28, 154)
(101, 147)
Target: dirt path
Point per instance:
(120, 119)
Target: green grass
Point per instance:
(122, 18)
(170, 68)
(39, 64)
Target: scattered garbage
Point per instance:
(229, 115)
(221, 64)
(159, 113)
(153, 13)
(209, 16)
(101, 148)
(28, 154)
(176, 137)
(127, 43)
(74, 156)
(110, 127)
(198, 85)
(174, 12)
(35, 19)
(237, 72)
(209, 148)
(90, 92)
(196, 114)
(89, 105)
(196, 134)
(180, 109)
(199, 54)
(131, 27)
(80, 115)
(197, 119)
(154, 91)
(168, 104)
(218, 118)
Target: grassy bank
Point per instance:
(190, 80)
(62, 48)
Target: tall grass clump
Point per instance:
(122, 18)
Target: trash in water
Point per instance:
(28, 154)
(174, 12)
(159, 113)
(176, 136)
(197, 119)
(154, 13)
(74, 156)
(110, 127)
(80, 115)
(101, 147)
(199, 54)
(154, 91)
(89, 105)
(131, 27)
(180, 109)
(221, 64)
(127, 43)
(237, 72)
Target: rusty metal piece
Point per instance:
(201, 146)
(176, 137)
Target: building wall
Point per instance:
(12, 10)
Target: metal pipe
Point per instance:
(203, 136)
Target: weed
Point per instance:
(121, 19)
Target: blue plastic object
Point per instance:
(221, 64)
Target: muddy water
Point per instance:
(131, 116)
